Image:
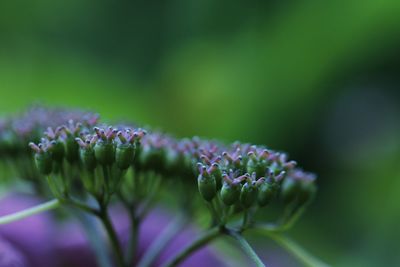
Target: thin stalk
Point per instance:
(115, 245)
(301, 254)
(226, 211)
(134, 229)
(214, 213)
(53, 187)
(293, 218)
(106, 180)
(246, 247)
(160, 243)
(133, 238)
(52, 204)
(245, 219)
(203, 240)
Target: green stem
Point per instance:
(245, 219)
(301, 254)
(53, 187)
(106, 181)
(165, 237)
(197, 244)
(246, 247)
(293, 218)
(116, 246)
(225, 214)
(130, 250)
(52, 204)
(133, 238)
(213, 212)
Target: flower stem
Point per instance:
(52, 204)
(197, 244)
(301, 254)
(116, 246)
(245, 219)
(246, 247)
(213, 212)
(133, 237)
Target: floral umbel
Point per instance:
(89, 166)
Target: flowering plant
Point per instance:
(89, 166)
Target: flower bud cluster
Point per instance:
(17, 131)
(109, 149)
(242, 176)
(252, 174)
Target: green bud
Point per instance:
(248, 194)
(71, 150)
(57, 151)
(217, 173)
(255, 166)
(207, 185)
(290, 188)
(266, 192)
(230, 193)
(153, 158)
(44, 162)
(104, 152)
(88, 158)
(124, 155)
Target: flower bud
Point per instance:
(257, 162)
(124, 155)
(104, 152)
(57, 146)
(235, 161)
(88, 158)
(71, 146)
(230, 193)
(217, 173)
(57, 151)
(254, 166)
(71, 150)
(44, 162)
(43, 158)
(87, 152)
(248, 194)
(267, 189)
(207, 184)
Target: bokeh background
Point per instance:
(319, 79)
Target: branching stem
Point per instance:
(115, 244)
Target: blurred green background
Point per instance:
(315, 78)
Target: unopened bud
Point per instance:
(248, 194)
(207, 185)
